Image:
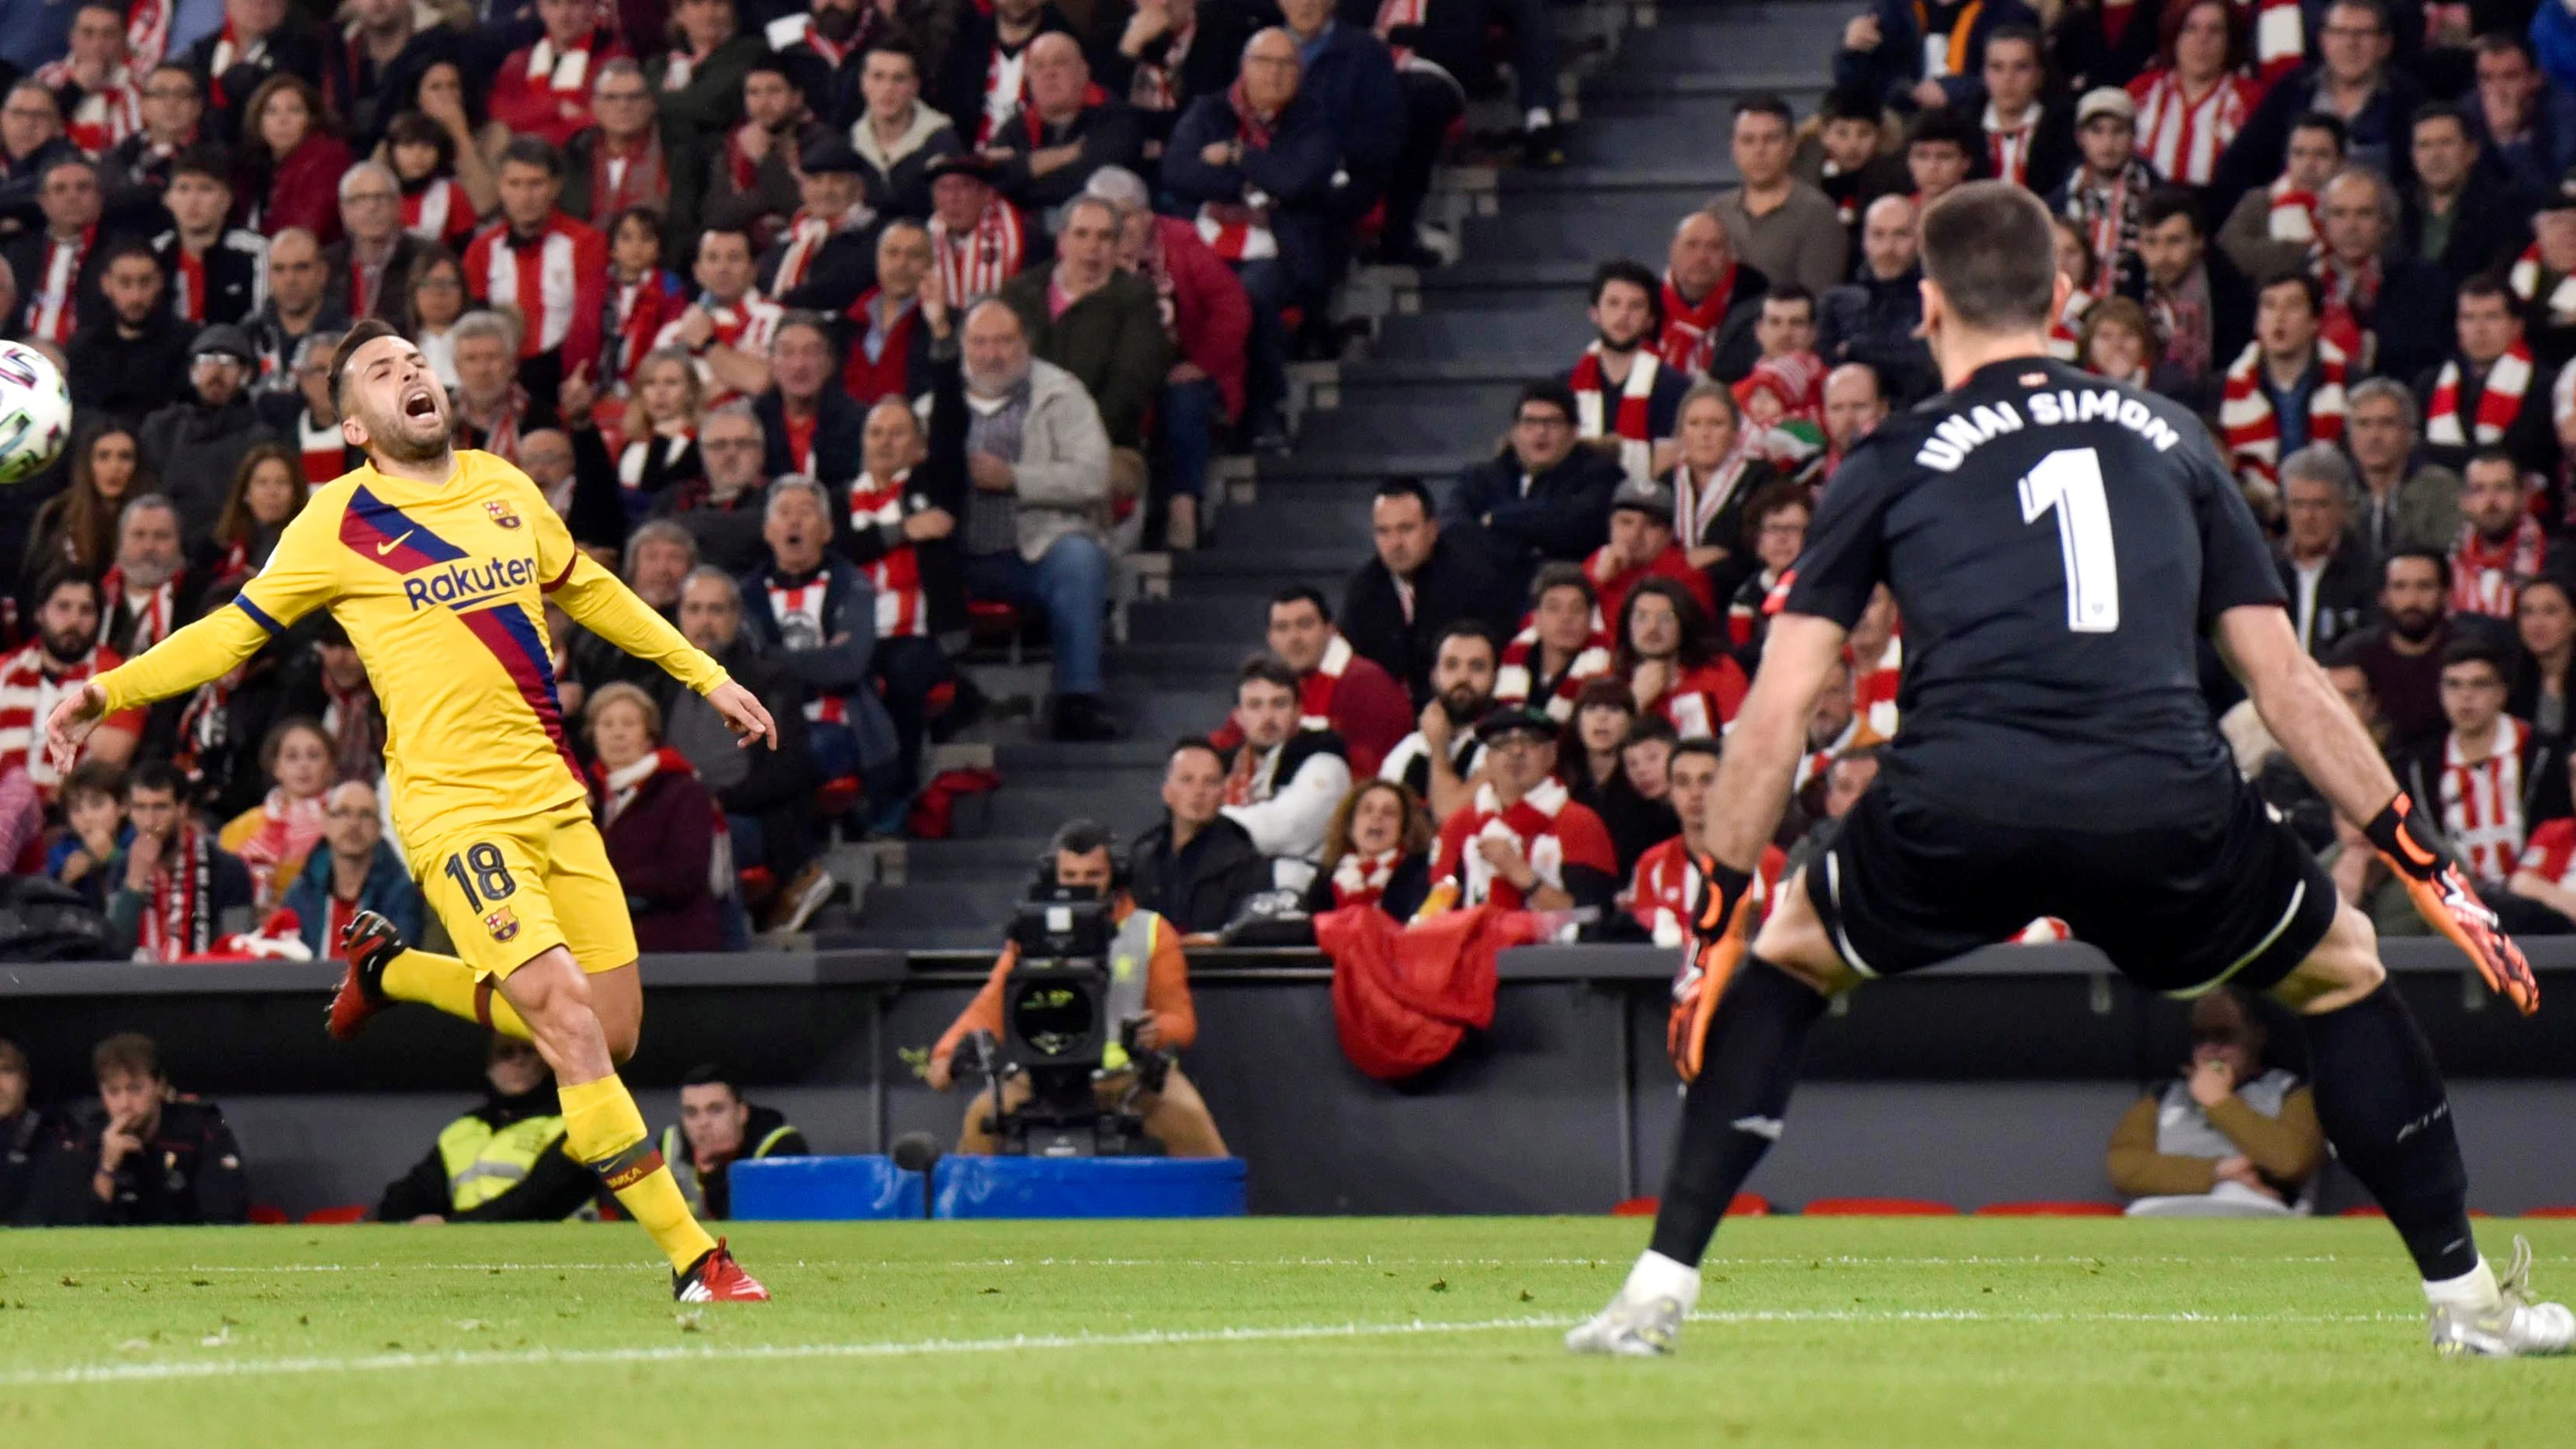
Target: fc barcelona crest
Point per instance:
(503, 924)
(502, 513)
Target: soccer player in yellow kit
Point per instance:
(439, 563)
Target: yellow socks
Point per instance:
(603, 1130)
(451, 986)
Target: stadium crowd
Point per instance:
(839, 330)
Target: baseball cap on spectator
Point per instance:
(827, 153)
(2105, 101)
(1644, 495)
(1515, 720)
(225, 339)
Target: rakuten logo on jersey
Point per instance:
(461, 584)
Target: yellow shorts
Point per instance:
(510, 890)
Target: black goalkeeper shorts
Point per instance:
(2177, 908)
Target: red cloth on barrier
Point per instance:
(1404, 996)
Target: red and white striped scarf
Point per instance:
(2498, 405)
(1156, 84)
(2482, 802)
(1689, 338)
(1239, 231)
(2109, 216)
(2525, 276)
(501, 439)
(2245, 411)
(287, 832)
(1529, 823)
(438, 211)
(105, 115)
(1360, 877)
(1006, 88)
(2066, 329)
(563, 70)
(2351, 299)
(27, 698)
(178, 919)
(2279, 37)
(2008, 149)
(188, 281)
(1697, 502)
(805, 237)
(1629, 422)
(1518, 674)
(2182, 137)
(1395, 15)
(1664, 889)
(229, 52)
(975, 265)
(53, 302)
(2485, 577)
(1316, 687)
(901, 612)
(147, 35)
(638, 311)
(1703, 702)
(635, 460)
(2292, 216)
(153, 611)
(1874, 687)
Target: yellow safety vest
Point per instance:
(684, 1171)
(483, 1163)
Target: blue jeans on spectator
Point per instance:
(1265, 370)
(1185, 440)
(1070, 581)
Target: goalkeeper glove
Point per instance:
(2450, 905)
(1720, 924)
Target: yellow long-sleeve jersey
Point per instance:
(441, 588)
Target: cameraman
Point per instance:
(1174, 1116)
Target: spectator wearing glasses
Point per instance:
(542, 91)
(618, 162)
(71, 246)
(172, 107)
(2404, 502)
(2353, 81)
(722, 507)
(374, 255)
(1522, 842)
(2490, 778)
(356, 870)
(31, 138)
(1542, 498)
(2325, 569)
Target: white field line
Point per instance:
(106, 1373)
(931, 1265)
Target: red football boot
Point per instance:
(717, 1278)
(368, 942)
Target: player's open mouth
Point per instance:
(420, 403)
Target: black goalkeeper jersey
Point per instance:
(2056, 544)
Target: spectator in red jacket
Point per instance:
(551, 268)
(544, 89)
(1338, 689)
(1673, 664)
(291, 163)
(1209, 320)
(658, 822)
(1641, 547)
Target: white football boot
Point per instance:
(2512, 1326)
(1645, 1319)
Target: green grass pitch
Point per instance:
(1254, 1332)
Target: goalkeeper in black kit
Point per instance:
(2058, 545)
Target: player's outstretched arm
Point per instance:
(600, 602)
(2328, 744)
(205, 650)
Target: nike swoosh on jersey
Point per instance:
(389, 546)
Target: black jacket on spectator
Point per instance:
(194, 449)
(131, 377)
(959, 88)
(782, 780)
(18, 189)
(1561, 514)
(26, 1141)
(367, 96)
(938, 481)
(728, 533)
(1200, 886)
(1110, 134)
(387, 303)
(1407, 887)
(1455, 582)
(765, 1133)
(2490, 224)
(2053, 156)
(1295, 171)
(1736, 349)
(1872, 320)
(843, 267)
(839, 663)
(291, 47)
(2378, 138)
(1895, 67)
(554, 1189)
(2413, 321)
(236, 275)
(2532, 437)
(190, 1173)
(840, 435)
(1214, 58)
(2347, 595)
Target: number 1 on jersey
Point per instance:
(2070, 481)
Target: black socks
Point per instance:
(1732, 1113)
(2381, 1101)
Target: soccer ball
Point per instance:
(35, 412)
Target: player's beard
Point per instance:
(1464, 706)
(68, 646)
(1621, 345)
(404, 439)
(2414, 625)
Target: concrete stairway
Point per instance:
(1450, 347)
